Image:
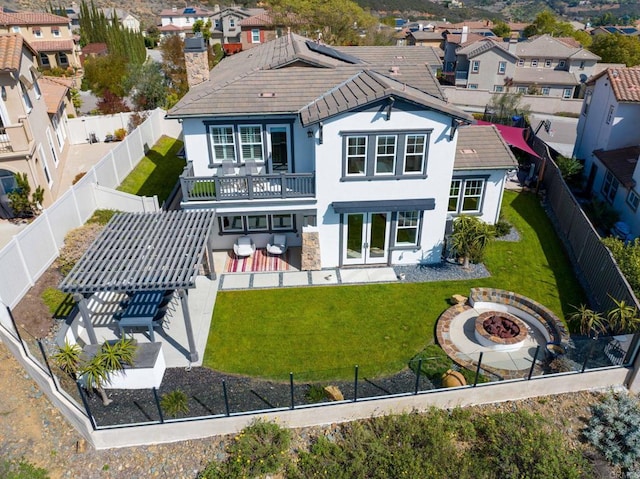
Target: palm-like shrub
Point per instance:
(469, 238)
(589, 322)
(174, 403)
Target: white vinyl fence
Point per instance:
(32, 250)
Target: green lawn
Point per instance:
(158, 172)
(321, 332)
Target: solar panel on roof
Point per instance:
(611, 29)
(629, 30)
(189, 10)
(330, 52)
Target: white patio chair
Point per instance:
(244, 246)
(277, 245)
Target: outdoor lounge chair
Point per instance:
(277, 245)
(244, 246)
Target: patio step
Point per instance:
(310, 251)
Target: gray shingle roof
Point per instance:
(473, 49)
(482, 147)
(544, 76)
(285, 76)
(546, 46)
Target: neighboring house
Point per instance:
(125, 19)
(49, 35)
(93, 50)
(611, 29)
(259, 29)
(360, 152)
(225, 23)
(542, 65)
(422, 38)
(609, 141)
(32, 121)
(179, 21)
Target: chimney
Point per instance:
(464, 34)
(196, 61)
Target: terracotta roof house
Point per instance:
(351, 154)
(179, 21)
(49, 35)
(259, 29)
(32, 121)
(609, 141)
(225, 23)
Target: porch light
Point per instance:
(309, 133)
(4, 93)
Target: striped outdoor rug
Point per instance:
(258, 262)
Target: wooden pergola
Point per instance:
(145, 252)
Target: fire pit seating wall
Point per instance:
(510, 302)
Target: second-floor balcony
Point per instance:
(247, 187)
(14, 140)
(461, 78)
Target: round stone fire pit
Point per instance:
(500, 331)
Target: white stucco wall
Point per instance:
(493, 191)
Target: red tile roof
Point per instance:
(32, 18)
(625, 82)
(52, 45)
(53, 92)
(10, 52)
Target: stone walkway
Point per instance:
(325, 277)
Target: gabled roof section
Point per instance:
(625, 82)
(482, 147)
(457, 38)
(10, 52)
(546, 46)
(474, 48)
(31, 18)
(52, 45)
(54, 92)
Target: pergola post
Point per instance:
(209, 257)
(184, 301)
(86, 317)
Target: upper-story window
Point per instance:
(63, 60)
(55, 31)
(356, 155)
(216, 23)
(534, 62)
(475, 66)
(255, 35)
(561, 64)
(385, 154)
(633, 200)
(415, 148)
(251, 143)
(232, 22)
(36, 87)
(465, 195)
(610, 114)
(44, 59)
(498, 88)
(15, 29)
(546, 90)
(521, 89)
(25, 98)
(472, 86)
(521, 62)
(502, 68)
(37, 32)
(610, 187)
(567, 92)
(223, 145)
(547, 63)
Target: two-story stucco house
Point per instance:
(49, 35)
(225, 24)
(32, 121)
(609, 141)
(542, 65)
(179, 21)
(297, 137)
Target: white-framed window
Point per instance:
(502, 68)
(232, 22)
(55, 31)
(415, 148)
(475, 66)
(610, 114)
(63, 60)
(15, 29)
(356, 155)
(44, 59)
(465, 195)
(232, 224)
(561, 64)
(407, 226)
(498, 88)
(282, 221)
(36, 87)
(547, 63)
(222, 143)
(567, 93)
(37, 33)
(521, 89)
(534, 62)
(633, 200)
(45, 166)
(25, 98)
(255, 35)
(251, 143)
(385, 154)
(546, 90)
(216, 23)
(472, 86)
(520, 62)
(610, 187)
(257, 223)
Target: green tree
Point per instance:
(22, 201)
(204, 28)
(501, 29)
(106, 73)
(111, 104)
(339, 21)
(469, 238)
(547, 23)
(173, 65)
(627, 255)
(148, 86)
(617, 48)
(153, 36)
(506, 105)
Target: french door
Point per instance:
(365, 238)
(278, 147)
